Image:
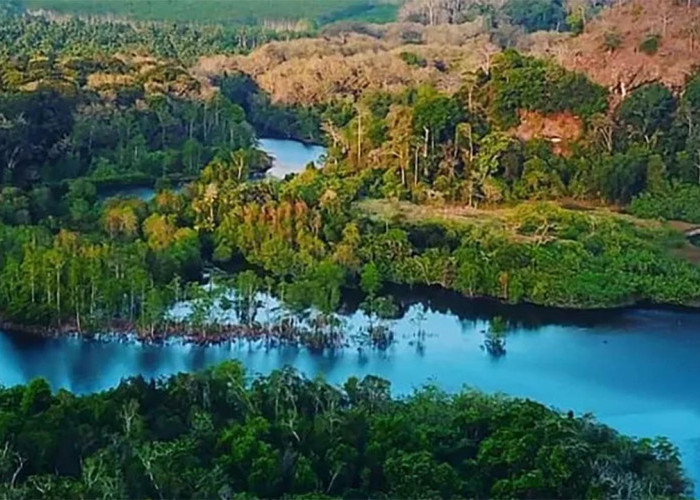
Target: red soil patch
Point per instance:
(561, 129)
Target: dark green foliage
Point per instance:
(295, 122)
(35, 123)
(218, 434)
(647, 112)
(65, 129)
(520, 82)
(679, 202)
(28, 36)
(437, 114)
(650, 44)
(536, 15)
(413, 59)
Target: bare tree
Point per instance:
(11, 463)
(664, 17)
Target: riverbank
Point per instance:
(286, 332)
(633, 368)
(350, 328)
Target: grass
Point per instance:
(233, 11)
(404, 210)
(667, 234)
(412, 213)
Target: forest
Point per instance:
(458, 158)
(420, 187)
(222, 434)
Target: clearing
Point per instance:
(510, 219)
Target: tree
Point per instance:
(120, 221)
(248, 285)
(656, 175)
(159, 231)
(488, 162)
(370, 279)
(401, 132)
(435, 116)
(647, 112)
(536, 15)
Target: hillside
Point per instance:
(617, 47)
(312, 71)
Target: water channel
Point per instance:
(636, 369)
(288, 157)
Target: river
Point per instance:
(288, 157)
(637, 370)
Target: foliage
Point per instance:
(495, 338)
(110, 120)
(95, 120)
(268, 119)
(218, 434)
(525, 83)
(230, 11)
(647, 112)
(28, 36)
(536, 15)
(681, 202)
(612, 40)
(650, 44)
(413, 59)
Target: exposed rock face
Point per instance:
(561, 129)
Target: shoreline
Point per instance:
(293, 333)
(284, 333)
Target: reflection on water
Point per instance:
(636, 370)
(142, 193)
(290, 157)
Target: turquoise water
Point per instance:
(637, 370)
(290, 157)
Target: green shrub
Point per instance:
(413, 59)
(612, 41)
(650, 45)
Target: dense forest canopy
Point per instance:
(29, 35)
(220, 434)
(123, 118)
(493, 174)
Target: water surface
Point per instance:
(143, 193)
(637, 370)
(290, 157)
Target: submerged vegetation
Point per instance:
(495, 337)
(222, 434)
(420, 187)
(506, 176)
